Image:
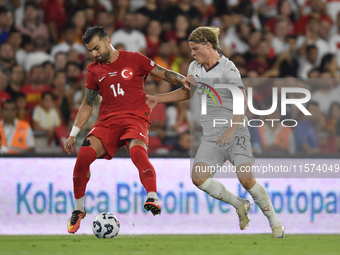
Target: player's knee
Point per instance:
(198, 181)
(88, 174)
(86, 155)
(247, 183)
(86, 142)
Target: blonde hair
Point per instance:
(202, 35)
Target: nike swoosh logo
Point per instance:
(68, 226)
(102, 79)
(142, 135)
(146, 170)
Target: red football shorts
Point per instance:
(115, 130)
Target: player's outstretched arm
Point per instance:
(83, 115)
(170, 76)
(174, 96)
(171, 97)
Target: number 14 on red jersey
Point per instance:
(119, 90)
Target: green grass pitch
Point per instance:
(171, 244)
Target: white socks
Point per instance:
(80, 204)
(261, 198)
(217, 190)
(152, 195)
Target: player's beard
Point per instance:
(105, 56)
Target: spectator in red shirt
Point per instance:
(153, 40)
(182, 25)
(285, 12)
(158, 116)
(260, 63)
(318, 11)
(22, 113)
(120, 8)
(54, 17)
(3, 83)
(34, 89)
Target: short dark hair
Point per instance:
(5, 43)
(311, 47)
(59, 72)
(313, 70)
(26, 39)
(60, 53)
(69, 25)
(326, 59)
(47, 93)
(3, 9)
(312, 103)
(47, 63)
(32, 4)
(291, 37)
(40, 42)
(8, 101)
(72, 64)
(36, 66)
(13, 31)
(94, 31)
(20, 95)
(17, 66)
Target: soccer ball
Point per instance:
(105, 225)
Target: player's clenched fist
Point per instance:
(68, 144)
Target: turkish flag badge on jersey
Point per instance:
(127, 73)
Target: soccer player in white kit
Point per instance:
(223, 142)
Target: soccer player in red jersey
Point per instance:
(124, 117)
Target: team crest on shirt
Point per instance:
(127, 73)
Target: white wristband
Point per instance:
(75, 131)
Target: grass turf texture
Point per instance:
(171, 244)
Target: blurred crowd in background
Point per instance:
(43, 64)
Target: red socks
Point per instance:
(147, 173)
(86, 156)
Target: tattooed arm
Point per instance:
(83, 115)
(85, 109)
(170, 76)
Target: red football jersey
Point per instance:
(33, 96)
(121, 84)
